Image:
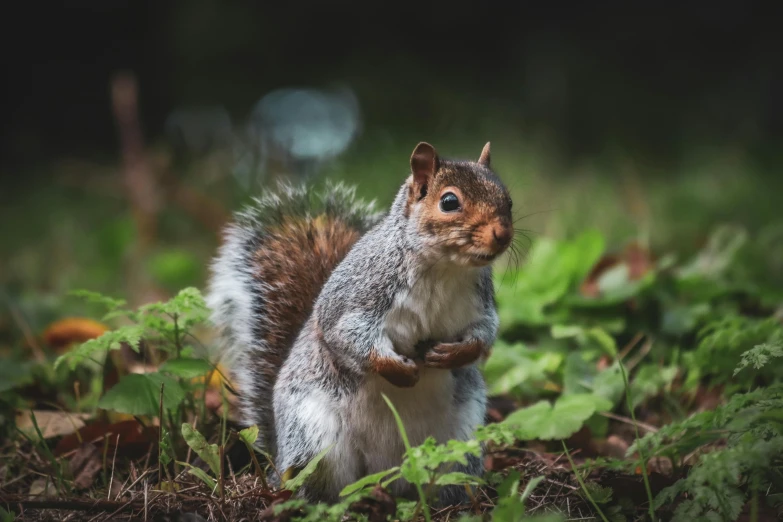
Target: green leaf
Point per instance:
(369, 480)
(601, 494)
(458, 478)
(300, 478)
(531, 486)
(209, 453)
(512, 366)
(547, 422)
(6, 516)
(510, 506)
(200, 474)
(109, 303)
(139, 394)
(110, 340)
(582, 376)
(604, 340)
(759, 356)
(649, 381)
(249, 435)
(187, 368)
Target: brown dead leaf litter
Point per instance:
(134, 494)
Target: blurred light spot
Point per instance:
(306, 124)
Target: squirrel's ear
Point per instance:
(484, 158)
(424, 164)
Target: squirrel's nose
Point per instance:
(502, 234)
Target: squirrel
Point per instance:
(323, 303)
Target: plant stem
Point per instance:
(160, 434)
(409, 453)
(641, 455)
(582, 483)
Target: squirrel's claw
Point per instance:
(448, 356)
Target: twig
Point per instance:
(626, 420)
(646, 347)
(134, 482)
(630, 346)
(69, 505)
(113, 462)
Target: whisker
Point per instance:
(533, 214)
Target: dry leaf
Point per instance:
(378, 507)
(135, 440)
(42, 487)
(638, 260)
(85, 465)
(51, 423)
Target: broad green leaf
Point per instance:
(200, 474)
(582, 376)
(458, 478)
(578, 374)
(610, 384)
(510, 507)
(249, 435)
(209, 453)
(547, 422)
(531, 486)
(139, 394)
(297, 482)
(369, 480)
(186, 368)
(604, 340)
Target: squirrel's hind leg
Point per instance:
(470, 406)
(307, 421)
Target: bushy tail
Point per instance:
(268, 272)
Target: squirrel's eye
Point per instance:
(449, 202)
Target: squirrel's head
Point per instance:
(462, 209)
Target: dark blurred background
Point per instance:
(655, 120)
(652, 77)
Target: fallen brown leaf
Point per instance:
(638, 260)
(51, 423)
(85, 465)
(378, 507)
(42, 487)
(134, 439)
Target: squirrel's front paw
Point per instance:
(448, 356)
(399, 370)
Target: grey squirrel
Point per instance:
(323, 303)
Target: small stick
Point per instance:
(160, 434)
(620, 418)
(113, 461)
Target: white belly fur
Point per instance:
(438, 308)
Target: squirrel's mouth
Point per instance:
(481, 259)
